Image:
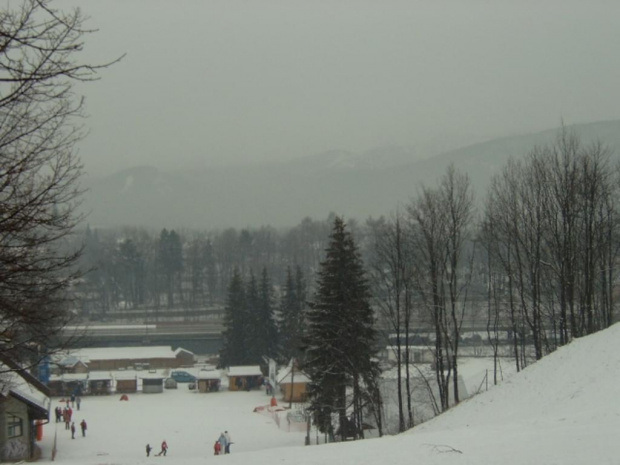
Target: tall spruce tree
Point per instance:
(266, 327)
(235, 335)
(340, 339)
(252, 321)
(171, 262)
(291, 324)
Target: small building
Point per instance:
(139, 358)
(184, 357)
(126, 381)
(67, 384)
(293, 384)
(72, 364)
(56, 386)
(152, 382)
(24, 400)
(208, 380)
(244, 378)
(417, 354)
(99, 383)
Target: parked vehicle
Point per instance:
(170, 383)
(182, 376)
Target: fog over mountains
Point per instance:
(356, 185)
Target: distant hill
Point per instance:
(281, 194)
(481, 161)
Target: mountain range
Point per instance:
(373, 183)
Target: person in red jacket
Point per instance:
(83, 426)
(217, 448)
(164, 448)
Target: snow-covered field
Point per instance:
(190, 422)
(562, 410)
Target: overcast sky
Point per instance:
(211, 82)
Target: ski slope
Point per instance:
(563, 410)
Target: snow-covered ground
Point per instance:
(190, 422)
(562, 410)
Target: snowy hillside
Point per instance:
(563, 410)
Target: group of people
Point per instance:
(163, 451)
(83, 427)
(65, 415)
(75, 401)
(222, 445)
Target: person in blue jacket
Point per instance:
(223, 442)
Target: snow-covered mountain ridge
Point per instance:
(372, 183)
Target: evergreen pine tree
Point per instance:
(252, 322)
(235, 337)
(210, 271)
(292, 305)
(266, 327)
(340, 338)
(299, 318)
(288, 302)
(170, 257)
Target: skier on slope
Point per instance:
(164, 448)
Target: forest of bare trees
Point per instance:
(550, 229)
(539, 261)
(186, 272)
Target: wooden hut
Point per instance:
(208, 380)
(99, 383)
(184, 357)
(152, 382)
(72, 364)
(24, 400)
(126, 381)
(244, 378)
(56, 386)
(67, 384)
(147, 357)
(293, 384)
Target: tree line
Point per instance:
(257, 324)
(537, 264)
(129, 269)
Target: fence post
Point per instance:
(54, 450)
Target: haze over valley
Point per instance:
(280, 194)
(264, 113)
